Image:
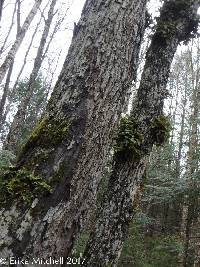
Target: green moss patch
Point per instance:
(160, 130)
(128, 140)
(49, 132)
(21, 185)
(173, 13)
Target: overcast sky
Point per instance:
(61, 41)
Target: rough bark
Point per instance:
(72, 142)
(111, 228)
(19, 118)
(11, 54)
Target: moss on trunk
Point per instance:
(22, 186)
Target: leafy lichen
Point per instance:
(49, 132)
(128, 140)
(22, 186)
(172, 14)
(160, 130)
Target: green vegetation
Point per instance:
(49, 132)
(80, 244)
(160, 130)
(175, 11)
(21, 185)
(35, 108)
(6, 158)
(128, 140)
(141, 250)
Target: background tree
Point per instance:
(1, 8)
(9, 73)
(17, 124)
(20, 36)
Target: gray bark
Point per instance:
(1, 8)
(9, 30)
(7, 83)
(181, 135)
(5, 93)
(11, 54)
(73, 141)
(113, 218)
(19, 118)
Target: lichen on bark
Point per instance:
(91, 92)
(128, 140)
(172, 15)
(22, 186)
(50, 131)
(160, 130)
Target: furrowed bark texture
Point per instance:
(105, 243)
(19, 118)
(20, 36)
(71, 144)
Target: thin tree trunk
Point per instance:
(197, 245)
(13, 90)
(5, 93)
(7, 83)
(105, 243)
(11, 54)
(9, 30)
(71, 144)
(190, 201)
(181, 135)
(175, 111)
(1, 8)
(19, 118)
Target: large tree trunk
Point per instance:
(19, 118)
(71, 144)
(20, 36)
(149, 127)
